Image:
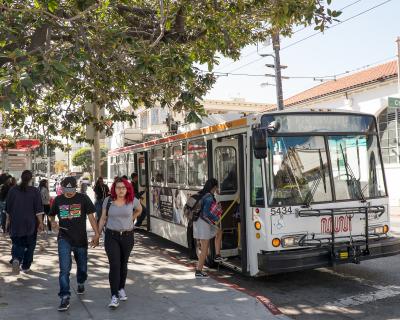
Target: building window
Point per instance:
(155, 119)
(163, 115)
(143, 120)
(389, 131)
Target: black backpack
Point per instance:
(193, 206)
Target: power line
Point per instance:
(337, 24)
(345, 7)
(251, 62)
(255, 51)
(327, 77)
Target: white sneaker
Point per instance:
(122, 295)
(114, 302)
(25, 270)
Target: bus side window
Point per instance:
(226, 169)
(157, 167)
(197, 163)
(176, 165)
(142, 172)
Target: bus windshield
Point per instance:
(299, 174)
(356, 167)
(298, 170)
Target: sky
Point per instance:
(366, 40)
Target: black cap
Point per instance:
(69, 184)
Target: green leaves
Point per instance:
(52, 5)
(62, 54)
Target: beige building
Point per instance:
(158, 121)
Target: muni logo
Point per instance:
(341, 224)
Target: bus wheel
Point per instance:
(211, 255)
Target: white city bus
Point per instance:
(300, 189)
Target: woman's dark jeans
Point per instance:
(118, 248)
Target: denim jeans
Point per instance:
(23, 249)
(118, 248)
(65, 262)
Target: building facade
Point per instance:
(158, 121)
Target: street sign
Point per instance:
(393, 102)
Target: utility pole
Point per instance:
(69, 167)
(96, 143)
(278, 77)
(48, 154)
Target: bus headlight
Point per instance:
(380, 230)
(257, 225)
(291, 241)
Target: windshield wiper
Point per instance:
(310, 194)
(322, 169)
(353, 182)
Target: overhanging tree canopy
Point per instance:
(57, 55)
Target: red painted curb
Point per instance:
(261, 298)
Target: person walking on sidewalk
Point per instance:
(204, 231)
(101, 191)
(45, 194)
(24, 217)
(72, 208)
(119, 212)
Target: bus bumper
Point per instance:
(309, 258)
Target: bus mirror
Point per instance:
(273, 127)
(260, 143)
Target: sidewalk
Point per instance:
(158, 287)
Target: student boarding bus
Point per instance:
(299, 189)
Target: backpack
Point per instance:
(193, 206)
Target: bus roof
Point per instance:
(234, 124)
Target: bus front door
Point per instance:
(225, 168)
(143, 184)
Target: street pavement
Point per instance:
(158, 287)
(161, 284)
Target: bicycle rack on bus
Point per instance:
(349, 212)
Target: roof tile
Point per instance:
(380, 72)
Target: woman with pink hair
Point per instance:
(119, 212)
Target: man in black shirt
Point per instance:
(72, 208)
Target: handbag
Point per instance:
(214, 214)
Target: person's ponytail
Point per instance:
(26, 178)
